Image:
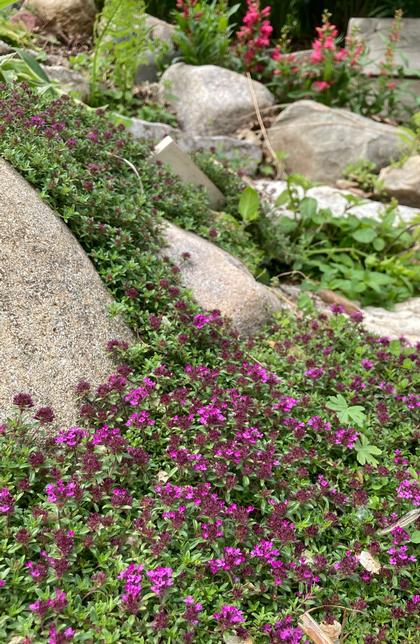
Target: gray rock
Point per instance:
(150, 131)
(159, 29)
(374, 32)
(160, 36)
(54, 322)
(70, 80)
(403, 182)
(5, 48)
(333, 199)
(404, 321)
(71, 18)
(320, 141)
(211, 100)
(219, 281)
(246, 155)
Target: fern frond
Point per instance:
(120, 45)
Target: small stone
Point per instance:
(220, 281)
(332, 198)
(160, 33)
(70, 80)
(151, 131)
(5, 48)
(403, 321)
(403, 182)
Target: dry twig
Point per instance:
(263, 129)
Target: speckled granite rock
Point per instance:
(211, 100)
(54, 322)
(403, 183)
(219, 281)
(73, 18)
(320, 141)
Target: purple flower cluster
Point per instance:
(57, 603)
(6, 501)
(60, 491)
(132, 575)
(161, 579)
(229, 617)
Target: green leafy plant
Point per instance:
(347, 414)
(21, 66)
(203, 34)
(364, 174)
(249, 205)
(207, 491)
(365, 453)
(14, 34)
(410, 135)
(374, 261)
(120, 45)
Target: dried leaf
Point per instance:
(312, 629)
(369, 563)
(332, 298)
(405, 520)
(359, 476)
(331, 630)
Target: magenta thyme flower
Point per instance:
(161, 579)
(60, 491)
(229, 617)
(70, 437)
(192, 610)
(232, 558)
(23, 401)
(6, 501)
(284, 631)
(132, 575)
(60, 636)
(410, 491)
(121, 497)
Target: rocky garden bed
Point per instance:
(209, 410)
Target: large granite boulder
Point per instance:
(211, 100)
(219, 281)
(320, 141)
(70, 18)
(54, 322)
(403, 182)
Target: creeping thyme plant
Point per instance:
(214, 486)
